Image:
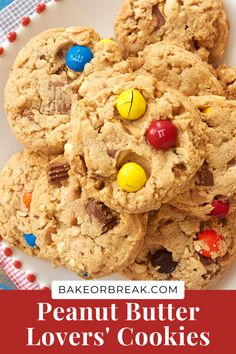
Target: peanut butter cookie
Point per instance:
(200, 26)
(88, 237)
(138, 143)
(182, 247)
(46, 73)
(212, 190)
(17, 182)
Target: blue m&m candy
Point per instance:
(77, 57)
(30, 239)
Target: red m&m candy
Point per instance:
(220, 208)
(212, 241)
(162, 134)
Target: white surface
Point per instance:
(99, 14)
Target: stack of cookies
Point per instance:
(129, 163)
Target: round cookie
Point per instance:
(227, 77)
(17, 182)
(40, 88)
(182, 247)
(89, 238)
(103, 142)
(212, 190)
(200, 26)
(180, 69)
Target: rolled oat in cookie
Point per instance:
(43, 79)
(212, 190)
(17, 183)
(139, 142)
(88, 237)
(182, 247)
(200, 26)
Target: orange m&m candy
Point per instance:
(27, 198)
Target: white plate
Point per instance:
(99, 14)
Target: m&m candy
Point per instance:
(131, 104)
(162, 134)
(163, 261)
(212, 241)
(131, 177)
(220, 208)
(207, 110)
(30, 239)
(106, 40)
(27, 198)
(77, 57)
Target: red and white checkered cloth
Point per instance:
(18, 276)
(10, 15)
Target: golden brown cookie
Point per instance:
(40, 88)
(200, 26)
(112, 139)
(88, 237)
(17, 182)
(182, 247)
(212, 190)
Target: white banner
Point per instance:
(110, 290)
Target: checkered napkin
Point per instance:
(5, 282)
(12, 278)
(11, 11)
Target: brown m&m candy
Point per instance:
(163, 260)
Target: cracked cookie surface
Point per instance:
(200, 26)
(215, 182)
(173, 249)
(88, 237)
(180, 69)
(40, 88)
(101, 141)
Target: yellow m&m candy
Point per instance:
(207, 110)
(131, 104)
(106, 40)
(131, 177)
